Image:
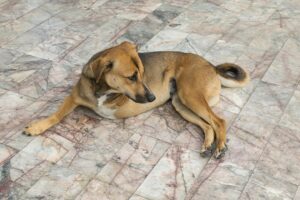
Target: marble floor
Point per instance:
(154, 156)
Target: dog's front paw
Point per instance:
(33, 129)
(220, 152)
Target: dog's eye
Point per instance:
(133, 77)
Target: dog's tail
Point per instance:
(232, 75)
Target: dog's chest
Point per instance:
(103, 110)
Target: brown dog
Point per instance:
(120, 82)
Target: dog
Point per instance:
(119, 83)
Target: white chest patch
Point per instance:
(103, 110)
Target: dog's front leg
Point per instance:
(82, 95)
(38, 127)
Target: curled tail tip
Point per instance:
(232, 75)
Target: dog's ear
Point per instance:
(133, 49)
(95, 69)
(138, 62)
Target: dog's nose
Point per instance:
(150, 97)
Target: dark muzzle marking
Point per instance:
(149, 95)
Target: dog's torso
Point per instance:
(162, 69)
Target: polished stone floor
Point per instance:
(154, 156)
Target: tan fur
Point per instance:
(124, 81)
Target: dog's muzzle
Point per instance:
(150, 97)
(147, 97)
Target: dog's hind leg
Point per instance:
(187, 114)
(198, 104)
(38, 127)
(214, 100)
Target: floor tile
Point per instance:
(291, 116)
(262, 186)
(173, 175)
(96, 188)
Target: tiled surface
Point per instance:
(43, 45)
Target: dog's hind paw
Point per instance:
(207, 151)
(220, 153)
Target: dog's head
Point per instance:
(121, 69)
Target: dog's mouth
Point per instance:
(147, 98)
(144, 99)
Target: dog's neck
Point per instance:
(101, 88)
(113, 96)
